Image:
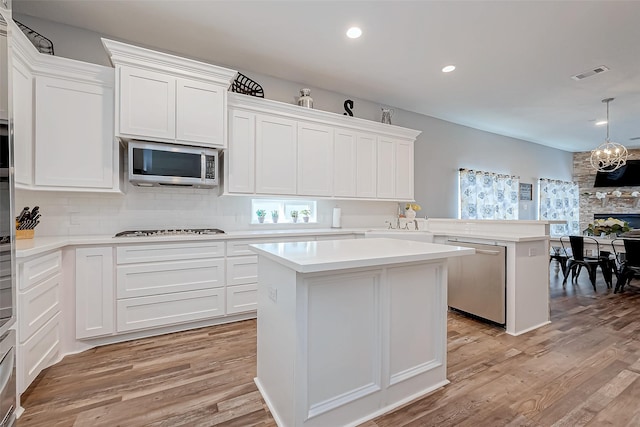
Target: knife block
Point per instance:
(24, 234)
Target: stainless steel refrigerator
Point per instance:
(7, 235)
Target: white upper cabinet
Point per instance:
(315, 159)
(241, 160)
(166, 98)
(366, 166)
(22, 81)
(147, 104)
(306, 152)
(275, 155)
(200, 112)
(63, 122)
(73, 134)
(404, 171)
(386, 169)
(354, 164)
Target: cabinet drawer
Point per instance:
(39, 269)
(241, 247)
(161, 310)
(38, 305)
(137, 280)
(242, 298)
(242, 270)
(169, 252)
(38, 352)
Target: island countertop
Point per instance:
(316, 256)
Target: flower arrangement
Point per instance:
(414, 206)
(616, 193)
(600, 195)
(607, 226)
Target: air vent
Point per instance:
(635, 138)
(598, 70)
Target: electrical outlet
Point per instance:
(273, 294)
(533, 252)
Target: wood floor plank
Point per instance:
(582, 369)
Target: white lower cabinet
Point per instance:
(39, 352)
(95, 292)
(167, 309)
(242, 281)
(165, 284)
(38, 307)
(242, 298)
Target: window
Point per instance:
(559, 200)
(284, 209)
(487, 195)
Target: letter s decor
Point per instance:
(348, 105)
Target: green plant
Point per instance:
(274, 213)
(294, 214)
(261, 213)
(305, 212)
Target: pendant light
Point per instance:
(609, 155)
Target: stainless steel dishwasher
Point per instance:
(477, 283)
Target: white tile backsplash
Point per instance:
(66, 213)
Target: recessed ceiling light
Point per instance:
(354, 32)
(601, 123)
(448, 68)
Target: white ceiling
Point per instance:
(514, 59)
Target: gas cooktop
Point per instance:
(176, 232)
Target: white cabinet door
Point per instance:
(344, 163)
(22, 81)
(147, 104)
(366, 165)
(200, 109)
(276, 155)
(74, 144)
(242, 270)
(404, 170)
(242, 298)
(95, 293)
(386, 168)
(315, 160)
(169, 309)
(242, 152)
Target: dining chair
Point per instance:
(561, 256)
(630, 264)
(579, 259)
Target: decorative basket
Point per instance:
(243, 84)
(24, 234)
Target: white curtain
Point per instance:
(560, 200)
(488, 195)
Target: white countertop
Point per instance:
(309, 257)
(37, 245)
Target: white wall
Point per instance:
(441, 149)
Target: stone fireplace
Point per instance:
(616, 207)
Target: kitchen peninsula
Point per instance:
(350, 329)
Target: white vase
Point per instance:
(409, 213)
(260, 219)
(274, 218)
(294, 218)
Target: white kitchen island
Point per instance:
(350, 329)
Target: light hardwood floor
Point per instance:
(583, 369)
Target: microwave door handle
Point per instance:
(203, 166)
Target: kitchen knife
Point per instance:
(35, 211)
(23, 214)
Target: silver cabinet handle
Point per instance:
(486, 252)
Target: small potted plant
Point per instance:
(274, 216)
(305, 214)
(261, 214)
(294, 216)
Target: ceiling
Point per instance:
(514, 58)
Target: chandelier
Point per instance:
(609, 155)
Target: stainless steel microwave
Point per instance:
(153, 164)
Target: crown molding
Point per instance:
(261, 105)
(126, 54)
